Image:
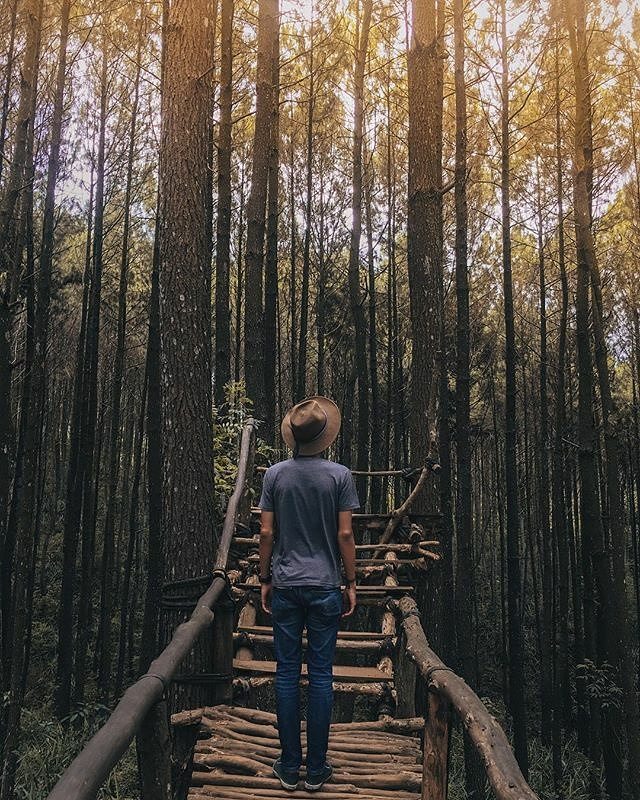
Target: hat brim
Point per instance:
(325, 439)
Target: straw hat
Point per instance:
(311, 425)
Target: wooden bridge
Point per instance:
(226, 749)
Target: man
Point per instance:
(310, 500)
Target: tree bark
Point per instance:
(424, 226)
(223, 221)
(106, 605)
(514, 600)
(271, 261)
(185, 313)
(268, 25)
(355, 293)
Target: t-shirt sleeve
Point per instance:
(348, 495)
(266, 498)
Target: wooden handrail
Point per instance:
(501, 767)
(87, 772)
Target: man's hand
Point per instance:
(349, 599)
(265, 594)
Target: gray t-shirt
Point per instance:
(306, 493)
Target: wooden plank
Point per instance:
(365, 516)
(265, 639)
(340, 672)
(268, 630)
(364, 590)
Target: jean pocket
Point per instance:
(329, 600)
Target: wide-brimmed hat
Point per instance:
(311, 426)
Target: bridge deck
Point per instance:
(373, 760)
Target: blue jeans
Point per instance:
(320, 609)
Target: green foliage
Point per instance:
(48, 747)
(229, 420)
(578, 769)
(602, 683)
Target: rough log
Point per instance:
(435, 759)
(356, 635)
(224, 722)
(485, 733)
(243, 747)
(343, 745)
(248, 766)
(267, 756)
(234, 793)
(248, 615)
(215, 778)
(408, 726)
(190, 717)
(328, 793)
(403, 509)
(251, 639)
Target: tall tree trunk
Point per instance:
(155, 543)
(268, 25)
(293, 333)
(87, 456)
(73, 497)
(424, 226)
(595, 556)
(9, 225)
(106, 605)
(223, 221)
(562, 702)
(301, 365)
(185, 315)
(355, 292)
(547, 697)
(6, 94)
(126, 611)
(321, 310)
(239, 285)
(271, 261)
(18, 630)
(377, 449)
(465, 577)
(516, 643)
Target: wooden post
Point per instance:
(435, 762)
(153, 745)
(223, 651)
(404, 673)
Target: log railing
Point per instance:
(91, 768)
(447, 693)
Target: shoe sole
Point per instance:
(313, 787)
(291, 787)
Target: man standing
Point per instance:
(310, 500)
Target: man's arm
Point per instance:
(347, 546)
(265, 549)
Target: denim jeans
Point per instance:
(320, 610)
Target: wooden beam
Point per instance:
(340, 672)
(435, 756)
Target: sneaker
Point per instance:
(314, 782)
(289, 780)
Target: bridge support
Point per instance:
(223, 651)
(153, 746)
(435, 761)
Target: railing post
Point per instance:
(435, 752)
(223, 650)
(153, 745)
(404, 678)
